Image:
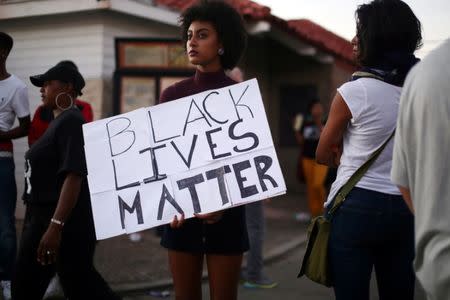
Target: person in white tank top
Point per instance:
(373, 228)
(373, 105)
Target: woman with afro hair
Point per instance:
(215, 38)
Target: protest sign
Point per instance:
(199, 154)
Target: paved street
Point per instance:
(137, 266)
(289, 288)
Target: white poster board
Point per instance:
(198, 154)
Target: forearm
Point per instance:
(17, 132)
(407, 197)
(329, 152)
(68, 197)
(14, 133)
(330, 146)
(299, 138)
(330, 159)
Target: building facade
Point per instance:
(294, 61)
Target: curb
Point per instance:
(273, 255)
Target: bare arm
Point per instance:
(407, 197)
(67, 200)
(329, 149)
(17, 132)
(68, 197)
(299, 138)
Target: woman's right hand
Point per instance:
(49, 245)
(177, 223)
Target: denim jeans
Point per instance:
(8, 198)
(372, 230)
(254, 213)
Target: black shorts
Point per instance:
(227, 237)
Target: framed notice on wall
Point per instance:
(151, 53)
(137, 92)
(145, 68)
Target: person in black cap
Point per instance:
(58, 233)
(43, 116)
(41, 120)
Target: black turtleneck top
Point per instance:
(198, 83)
(229, 234)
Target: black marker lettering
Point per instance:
(267, 162)
(118, 188)
(189, 114)
(245, 191)
(227, 169)
(153, 131)
(249, 135)
(123, 206)
(190, 183)
(236, 104)
(189, 160)
(219, 174)
(123, 131)
(166, 196)
(206, 110)
(213, 145)
(156, 176)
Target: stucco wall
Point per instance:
(87, 39)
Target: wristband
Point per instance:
(58, 222)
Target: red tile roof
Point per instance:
(322, 38)
(305, 30)
(248, 9)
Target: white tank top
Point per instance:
(374, 107)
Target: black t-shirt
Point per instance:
(311, 135)
(59, 151)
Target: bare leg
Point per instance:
(223, 271)
(186, 271)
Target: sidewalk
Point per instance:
(133, 266)
(137, 266)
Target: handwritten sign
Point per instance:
(198, 154)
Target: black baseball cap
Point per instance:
(62, 73)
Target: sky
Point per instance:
(338, 16)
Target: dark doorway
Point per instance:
(294, 100)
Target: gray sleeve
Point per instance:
(399, 171)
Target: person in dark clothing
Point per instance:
(215, 39)
(308, 138)
(43, 115)
(58, 233)
(41, 120)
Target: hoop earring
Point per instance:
(59, 106)
(221, 51)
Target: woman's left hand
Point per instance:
(337, 153)
(211, 218)
(49, 246)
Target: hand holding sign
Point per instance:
(210, 218)
(189, 157)
(177, 223)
